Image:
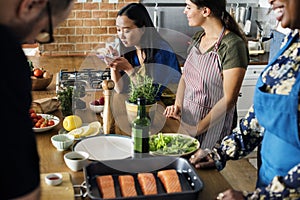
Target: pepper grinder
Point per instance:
(108, 120)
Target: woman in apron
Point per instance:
(212, 74)
(272, 121)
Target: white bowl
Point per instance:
(62, 141)
(76, 160)
(54, 179)
(96, 108)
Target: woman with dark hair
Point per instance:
(142, 50)
(212, 74)
(272, 122)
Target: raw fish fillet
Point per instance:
(127, 186)
(106, 186)
(170, 180)
(147, 183)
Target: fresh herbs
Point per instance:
(69, 98)
(143, 86)
(172, 144)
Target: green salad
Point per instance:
(172, 144)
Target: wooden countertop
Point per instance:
(52, 160)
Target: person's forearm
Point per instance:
(117, 78)
(180, 92)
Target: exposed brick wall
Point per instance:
(87, 27)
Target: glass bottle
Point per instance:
(140, 130)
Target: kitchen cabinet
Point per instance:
(245, 99)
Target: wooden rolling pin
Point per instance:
(108, 119)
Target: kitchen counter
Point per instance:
(238, 174)
(260, 59)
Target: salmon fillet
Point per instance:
(106, 186)
(170, 180)
(127, 185)
(147, 183)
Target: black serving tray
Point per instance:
(190, 182)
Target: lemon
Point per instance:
(96, 125)
(91, 129)
(76, 132)
(72, 122)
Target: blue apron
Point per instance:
(278, 114)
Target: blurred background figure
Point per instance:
(22, 21)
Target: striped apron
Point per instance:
(203, 89)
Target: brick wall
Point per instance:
(87, 27)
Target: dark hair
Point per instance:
(218, 9)
(150, 39)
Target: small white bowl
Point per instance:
(96, 108)
(76, 160)
(62, 141)
(54, 179)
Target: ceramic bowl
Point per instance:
(54, 179)
(62, 141)
(96, 108)
(76, 160)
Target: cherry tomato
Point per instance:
(50, 123)
(43, 125)
(38, 73)
(33, 115)
(37, 125)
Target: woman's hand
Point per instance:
(202, 159)
(172, 112)
(121, 63)
(230, 195)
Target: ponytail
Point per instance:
(232, 25)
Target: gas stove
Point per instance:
(91, 79)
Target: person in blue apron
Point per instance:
(212, 74)
(272, 121)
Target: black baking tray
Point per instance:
(190, 181)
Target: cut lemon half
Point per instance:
(77, 132)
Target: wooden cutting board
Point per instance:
(63, 191)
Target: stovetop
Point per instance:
(91, 79)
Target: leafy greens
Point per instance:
(172, 144)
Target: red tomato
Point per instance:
(50, 123)
(38, 73)
(31, 111)
(43, 125)
(37, 125)
(33, 115)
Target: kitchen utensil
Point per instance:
(190, 181)
(247, 27)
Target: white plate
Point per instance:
(47, 116)
(177, 154)
(106, 147)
